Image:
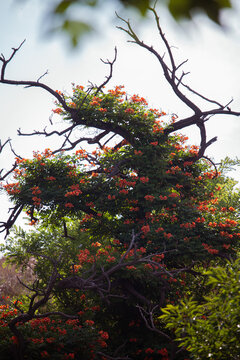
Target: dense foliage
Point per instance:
(120, 232)
(210, 329)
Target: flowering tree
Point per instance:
(123, 226)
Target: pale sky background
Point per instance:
(214, 63)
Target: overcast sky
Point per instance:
(214, 63)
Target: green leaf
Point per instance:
(141, 5)
(76, 29)
(63, 6)
(184, 8)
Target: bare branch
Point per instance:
(150, 322)
(110, 63)
(59, 97)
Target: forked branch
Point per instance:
(170, 71)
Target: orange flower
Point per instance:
(96, 244)
(145, 229)
(57, 111)
(167, 235)
(129, 111)
(89, 322)
(138, 152)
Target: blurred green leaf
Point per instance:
(76, 29)
(141, 5)
(184, 8)
(63, 6)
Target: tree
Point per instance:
(123, 226)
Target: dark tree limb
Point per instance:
(175, 81)
(110, 63)
(6, 226)
(3, 80)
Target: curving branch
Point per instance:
(170, 71)
(147, 316)
(103, 283)
(6, 226)
(37, 300)
(110, 63)
(3, 80)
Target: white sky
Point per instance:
(214, 63)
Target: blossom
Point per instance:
(162, 197)
(154, 143)
(89, 322)
(139, 152)
(50, 340)
(137, 99)
(145, 229)
(57, 111)
(104, 335)
(123, 191)
(14, 339)
(167, 235)
(36, 201)
(148, 267)
(132, 340)
(163, 352)
(50, 178)
(110, 259)
(149, 197)
(96, 244)
(159, 229)
(36, 190)
(69, 356)
(129, 111)
(69, 205)
(113, 197)
(131, 267)
(144, 179)
(44, 354)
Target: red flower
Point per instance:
(104, 335)
(145, 229)
(89, 322)
(14, 339)
(70, 205)
(44, 354)
(149, 197)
